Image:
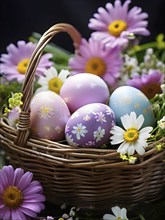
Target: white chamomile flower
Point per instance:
(132, 138)
(161, 123)
(51, 80)
(131, 65)
(119, 214)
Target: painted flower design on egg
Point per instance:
(79, 130)
(90, 126)
(100, 117)
(99, 134)
(46, 112)
(87, 118)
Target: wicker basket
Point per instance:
(84, 177)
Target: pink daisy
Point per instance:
(94, 58)
(20, 197)
(149, 84)
(114, 24)
(14, 64)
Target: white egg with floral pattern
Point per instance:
(90, 125)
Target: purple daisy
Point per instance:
(114, 24)
(20, 197)
(149, 84)
(13, 116)
(14, 64)
(93, 57)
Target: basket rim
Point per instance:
(75, 156)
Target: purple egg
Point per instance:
(49, 114)
(82, 89)
(90, 126)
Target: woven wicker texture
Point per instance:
(84, 177)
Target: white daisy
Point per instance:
(52, 80)
(132, 138)
(79, 130)
(99, 134)
(119, 214)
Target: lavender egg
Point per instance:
(48, 117)
(127, 99)
(90, 126)
(82, 89)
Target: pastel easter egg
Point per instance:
(49, 114)
(126, 99)
(82, 89)
(90, 126)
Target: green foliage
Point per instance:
(6, 90)
(158, 46)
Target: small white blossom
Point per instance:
(119, 214)
(131, 65)
(149, 51)
(163, 88)
(13, 116)
(161, 123)
(63, 206)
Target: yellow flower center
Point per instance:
(131, 135)
(117, 27)
(55, 85)
(119, 218)
(96, 66)
(12, 197)
(22, 66)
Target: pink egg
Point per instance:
(49, 114)
(82, 89)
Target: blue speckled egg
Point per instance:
(90, 125)
(126, 99)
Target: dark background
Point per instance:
(20, 18)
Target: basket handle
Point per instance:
(27, 89)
